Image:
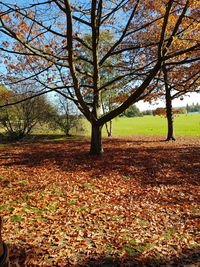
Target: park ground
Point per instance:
(184, 125)
(136, 205)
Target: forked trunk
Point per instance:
(96, 141)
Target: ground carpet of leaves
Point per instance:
(136, 205)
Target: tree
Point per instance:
(177, 82)
(66, 118)
(19, 120)
(51, 48)
(178, 77)
(132, 111)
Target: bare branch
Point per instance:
(122, 36)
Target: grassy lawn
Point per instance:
(185, 125)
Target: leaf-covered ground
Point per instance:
(137, 205)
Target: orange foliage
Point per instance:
(119, 98)
(5, 95)
(162, 111)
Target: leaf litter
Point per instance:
(136, 205)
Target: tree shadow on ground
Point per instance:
(188, 257)
(34, 138)
(25, 256)
(150, 165)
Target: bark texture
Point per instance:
(169, 110)
(170, 118)
(109, 128)
(96, 140)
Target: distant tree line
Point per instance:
(193, 108)
(179, 110)
(134, 111)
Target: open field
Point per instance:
(184, 125)
(136, 205)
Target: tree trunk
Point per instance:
(67, 132)
(96, 142)
(109, 128)
(170, 118)
(169, 110)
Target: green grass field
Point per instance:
(184, 125)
